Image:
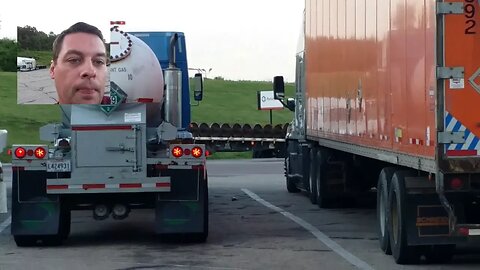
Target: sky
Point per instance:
(236, 39)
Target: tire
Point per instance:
(66, 224)
(312, 181)
(323, 200)
(397, 221)
(25, 241)
(439, 253)
(383, 186)
(291, 185)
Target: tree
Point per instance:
(8, 54)
(29, 38)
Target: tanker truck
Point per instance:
(387, 96)
(112, 159)
(26, 64)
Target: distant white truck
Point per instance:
(26, 64)
(3, 192)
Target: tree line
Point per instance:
(28, 38)
(8, 54)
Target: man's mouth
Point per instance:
(86, 90)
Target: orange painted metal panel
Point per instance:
(371, 73)
(462, 43)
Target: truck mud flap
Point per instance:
(33, 212)
(183, 216)
(428, 221)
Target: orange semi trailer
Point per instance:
(388, 97)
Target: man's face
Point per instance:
(80, 71)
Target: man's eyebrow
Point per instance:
(77, 52)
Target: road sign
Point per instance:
(266, 101)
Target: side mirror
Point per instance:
(3, 139)
(278, 87)
(198, 87)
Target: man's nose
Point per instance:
(88, 70)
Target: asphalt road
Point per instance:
(254, 224)
(36, 87)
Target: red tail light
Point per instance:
(29, 152)
(177, 151)
(186, 152)
(20, 152)
(40, 153)
(456, 183)
(9, 152)
(197, 152)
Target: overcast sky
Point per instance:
(238, 39)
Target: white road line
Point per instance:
(5, 224)
(318, 234)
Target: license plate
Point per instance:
(58, 166)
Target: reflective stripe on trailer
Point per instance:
(113, 188)
(471, 147)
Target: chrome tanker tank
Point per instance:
(136, 71)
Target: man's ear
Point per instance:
(52, 69)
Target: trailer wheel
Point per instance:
(66, 220)
(383, 186)
(291, 185)
(323, 200)
(312, 176)
(397, 223)
(439, 253)
(25, 240)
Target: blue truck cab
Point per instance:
(159, 42)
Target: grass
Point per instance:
(236, 102)
(223, 102)
(21, 121)
(42, 57)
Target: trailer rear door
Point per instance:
(459, 26)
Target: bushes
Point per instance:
(8, 55)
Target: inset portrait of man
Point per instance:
(79, 65)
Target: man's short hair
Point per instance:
(79, 27)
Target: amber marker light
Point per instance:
(197, 152)
(177, 151)
(40, 153)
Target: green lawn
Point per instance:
(236, 102)
(42, 57)
(21, 121)
(223, 102)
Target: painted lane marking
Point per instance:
(5, 224)
(318, 234)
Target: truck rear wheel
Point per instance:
(383, 186)
(25, 240)
(291, 185)
(323, 200)
(397, 223)
(312, 176)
